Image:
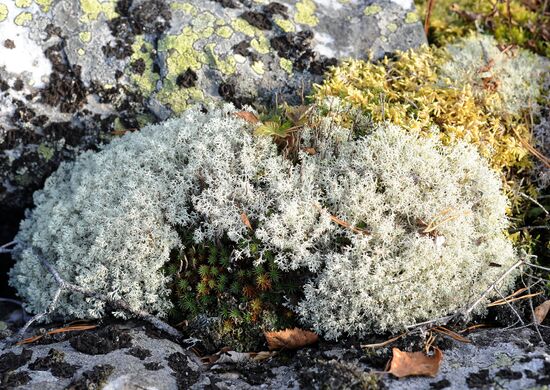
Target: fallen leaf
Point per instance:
(405, 364)
(290, 339)
(246, 221)
(541, 311)
(310, 151)
(247, 116)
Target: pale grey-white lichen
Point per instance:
(394, 229)
(515, 74)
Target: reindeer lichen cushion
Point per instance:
(391, 228)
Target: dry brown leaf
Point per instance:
(247, 116)
(290, 339)
(405, 364)
(246, 221)
(541, 311)
(310, 151)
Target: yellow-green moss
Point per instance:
(519, 26)
(409, 91)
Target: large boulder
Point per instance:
(72, 72)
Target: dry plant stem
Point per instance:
(384, 343)
(535, 202)
(510, 306)
(533, 312)
(6, 247)
(11, 243)
(116, 303)
(14, 301)
(538, 266)
(466, 313)
(503, 301)
(492, 287)
(546, 227)
(429, 10)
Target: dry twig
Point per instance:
(429, 10)
(6, 247)
(64, 286)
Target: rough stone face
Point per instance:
(72, 72)
(56, 364)
(498, 358)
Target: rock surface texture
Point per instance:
(72, 72)
(129, 356)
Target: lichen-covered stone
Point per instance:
(71, 72)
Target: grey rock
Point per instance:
(72, 72)
(498, 358)
(57, 365)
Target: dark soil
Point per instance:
(276, 8)
(442, 384)
(257, 19)
(507, 373)
(479, 380)
(65, 89)
(10, 361)
(543, 377)
(153, 366)
(150, 17)
(140, 353)
(297, 48)
(138, 66)
(243, 48)
(9, 44)
(185, 377)
(18, 85)
(103, 341)
(12, 380)
(187, 79)
(55, 363)
(228, 3)
(92, 379)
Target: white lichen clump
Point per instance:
(393, 228)
(514, 73)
